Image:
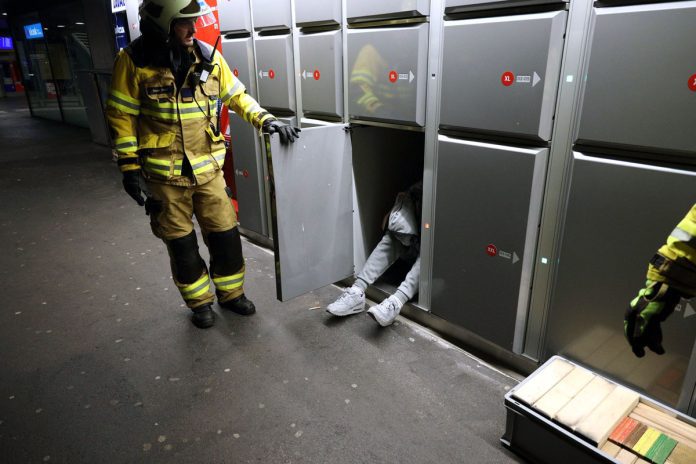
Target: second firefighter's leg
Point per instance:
(171, 209)
(219, 224)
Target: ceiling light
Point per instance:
(80, 24)
(61, 25)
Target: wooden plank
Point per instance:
(603, 419)
(584, 402)
(626, 457)
(676, 435)
(611, 449)
(646, 442)
(623, 430)
(564, 391)
(542, 381)
(635, 436)
(682, 454)
(661, 450)
(670, 422)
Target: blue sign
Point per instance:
(6, 43)
(120, 31)
(118, 5)
(34, 31)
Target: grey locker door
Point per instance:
(317, 12)
(271, 14)
(275, 72)
(239, 54)
(312, 209)
(248, 175)
(501, 74)
(618, 215)
(321, 65)
(387, 70)
(641, 79)
(486, 218)
(386, 8)
(234, 15)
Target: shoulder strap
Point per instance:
(205, 50)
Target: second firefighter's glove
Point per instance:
(287, 133)
(131, 184)
(653, 305)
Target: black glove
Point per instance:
(131, 184)
(287, 133)
(653, 305)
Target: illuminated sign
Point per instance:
(33, 31)
(6, 43)
(118, 5)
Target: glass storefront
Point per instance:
(54, 54)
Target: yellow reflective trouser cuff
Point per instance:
(196, 289)
(126, 144)
(228, 283)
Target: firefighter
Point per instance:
(671, 277)
(162, 110)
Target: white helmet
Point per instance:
(161, 13)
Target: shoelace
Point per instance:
(345, 296)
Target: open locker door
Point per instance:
(312, 209)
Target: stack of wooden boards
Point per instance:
(614, 418)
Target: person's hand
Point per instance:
(131, 184)
(287, 133)
(653, 305)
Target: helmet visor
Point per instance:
(207, 19)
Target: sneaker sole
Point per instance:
(374, 318)
(354, 310)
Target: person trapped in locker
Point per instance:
(671, 277)
(401, 239)
(162, 111)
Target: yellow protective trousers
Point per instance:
(171, 209)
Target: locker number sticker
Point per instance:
(692, 83)
(507, 78)
(393, 76)
(491, 250)
(317, 75)
(271, 74)
(235, 71)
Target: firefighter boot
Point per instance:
(203, 317)
(240, 305)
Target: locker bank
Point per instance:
(555, 143)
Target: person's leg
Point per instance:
(170, 209)
(352, 300)
(218, 222)
(384, 255)
(409, 287)
(385, 313)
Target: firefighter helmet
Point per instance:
(161, 13)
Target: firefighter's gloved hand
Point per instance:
(653, 305)
(131, 184)
(287, 133)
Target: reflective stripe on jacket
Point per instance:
(155, 126)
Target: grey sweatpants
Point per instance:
(387, 251)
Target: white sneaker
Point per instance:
(352, 301)
(385, 313)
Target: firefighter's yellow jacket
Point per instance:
(155, 125)
(675, 261)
